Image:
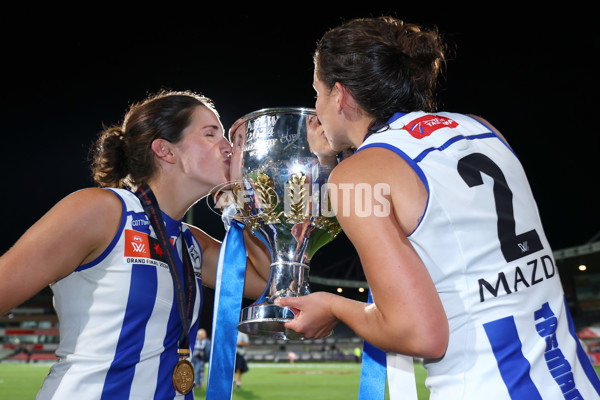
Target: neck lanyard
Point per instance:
(184, 290)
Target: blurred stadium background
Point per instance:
(75, 74)
(29, 333)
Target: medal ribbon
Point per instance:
(377, 365)
(401, 377)
(373, 371)
(184, 290)
(231, 270)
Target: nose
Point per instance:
(313, 121)
(226, 148)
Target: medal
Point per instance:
(183, 374)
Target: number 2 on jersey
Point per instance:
(513, 245)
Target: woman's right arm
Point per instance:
(75, 231)
(258, 264)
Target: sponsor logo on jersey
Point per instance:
(143, 249)
(523, 276)
(140, 221)
(426, 125)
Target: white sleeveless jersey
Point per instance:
(482, 242)
(119, 323)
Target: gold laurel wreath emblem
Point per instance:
(243, 207)
(296, 192)
(328, 224)
(268, 199)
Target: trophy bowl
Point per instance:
(280, 193)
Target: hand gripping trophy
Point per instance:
(281, 196)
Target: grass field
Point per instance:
(264, 381)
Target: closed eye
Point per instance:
(211, 130)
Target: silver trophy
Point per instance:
(281, 196)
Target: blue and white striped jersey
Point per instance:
(119, 324)
(483, 244)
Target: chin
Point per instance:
(337, 148)
(333, 145)
(224, 184)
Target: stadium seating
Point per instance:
(339, 347)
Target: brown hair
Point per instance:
(122, 156)
(387, 65)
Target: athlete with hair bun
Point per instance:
(126, 272)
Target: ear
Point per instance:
(163, 150)
(345, 102)
(342, 96)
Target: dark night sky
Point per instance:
(531, 75)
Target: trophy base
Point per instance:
(266, 320)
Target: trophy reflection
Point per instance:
(281, 196)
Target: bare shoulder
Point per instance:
(96, 196)
(91, 217)
(390, 179)
(73, 232)
(100, 204)
(489, 125)
(360, 166)
(372, 165)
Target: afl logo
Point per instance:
(136, 244)
(426, 125)
(137, 239)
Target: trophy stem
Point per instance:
(263, 317)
